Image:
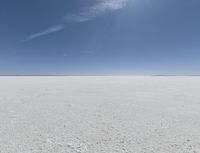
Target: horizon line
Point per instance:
(158, 75)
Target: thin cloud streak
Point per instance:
(84, 15)
(50, 30)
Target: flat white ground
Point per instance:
(99, 114)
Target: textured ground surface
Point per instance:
(99, 114)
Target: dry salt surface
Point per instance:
(100, 114)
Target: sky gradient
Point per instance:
(99, 37)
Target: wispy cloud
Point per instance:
(90, 13)
(84, 15)
(50, 30)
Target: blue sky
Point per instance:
(100, 37)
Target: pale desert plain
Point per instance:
(100, 114)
